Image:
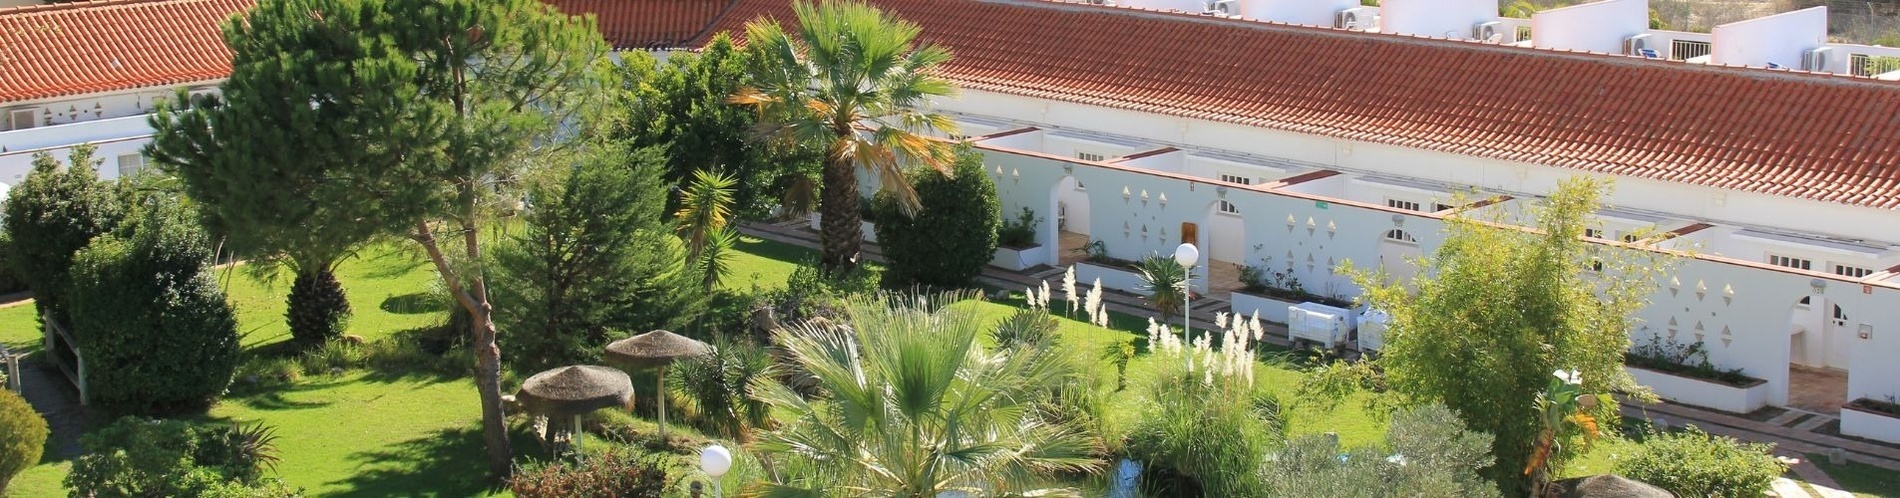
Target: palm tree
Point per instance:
(705, 210)
(852, 79)
(912, 406)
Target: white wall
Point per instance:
(1309, 12)
(1435, 18)
(1596, 27)
(1167, 161)
(1780, 38)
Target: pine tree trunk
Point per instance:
(841, 231)
(317, 307)
(474, 298)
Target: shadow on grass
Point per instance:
(775, 250)
(449, 462)
(415, 303)
(278, 397)
(391, 261)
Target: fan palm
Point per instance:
(852, 79)
(912, 406)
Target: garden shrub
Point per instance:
(614, 474)
(593, 264)
(158, 334)
(718, 386)
(10, 281)
(947, 242)
(1427, 452)
(1692, 463)
(137, 457)
(1205, 439)
(52, 215)
(1161, 278)
(1019, 232)
(1026, 328)
(25, 437)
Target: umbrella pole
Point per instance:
(661, 394)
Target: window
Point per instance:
(1406, 205)
(1790, 262)
(129, 164)
(20, 119)
(1090, 156)
(1227, 207)
(1851, 271)
(1593, 233)
(1399, 236)
(1840, 316)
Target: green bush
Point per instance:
(52, 215)
(1692, 463)
(10, 281)
(1019, 232)
(158, 334)
(947, 242)
(1427, 452)
(718, 386)
(26, 436)
(136, 457)
(593, 264)
(1205, 439)
(615, 474)
(1026, 328)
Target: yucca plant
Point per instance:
(1164, 279)
(705, 211)
(911, 405)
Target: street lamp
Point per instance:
(1187, 255)
(715, 460)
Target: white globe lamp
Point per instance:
(715, 461)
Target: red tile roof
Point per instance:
(87, 47)
(647, 24)
(1819, 137)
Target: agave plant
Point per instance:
(1164, 279)
(911, 405)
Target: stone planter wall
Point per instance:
(1860, 422)
(1271, 309)
(1703, 393)
(1112, 278)
(1018, 259)
(869, 229)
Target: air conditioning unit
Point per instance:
(1488, 32)
(1223, 8)
(1110, 3)
(1635, 45)
(1816, 60)
(1356, 19)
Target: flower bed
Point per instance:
(1742, 397)
(1872, 419)
(1114, 277)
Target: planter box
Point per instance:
(1271, 309)
(1018, 259)
(1703, 393)
(1112, 278)
(869, 229)
(1861, 422)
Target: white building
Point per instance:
(1317, 132)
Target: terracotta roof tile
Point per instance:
(86, 47)
(647, 24)
(1821, 137)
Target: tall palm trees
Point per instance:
(851, 79)
(912, 406)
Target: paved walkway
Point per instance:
(56, 400)
(1791, 441)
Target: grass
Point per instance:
(1859, 478)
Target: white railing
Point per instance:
(1863, 60)
(11, 366)
(1680, 45)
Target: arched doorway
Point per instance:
(1068, 231)
(1398, 252)
(1223, 241)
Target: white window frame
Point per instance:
(1091, 156)
(1402, 204)
(1402, 237)
(1786, 261)
(138, 163)
(1850, 271)
(1229, 208)
(13, 119)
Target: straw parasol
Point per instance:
(575, 390)
(658, 348)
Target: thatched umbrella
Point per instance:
(575, 390)
(658, 348)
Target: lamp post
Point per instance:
(715, 460)
(1187, 255)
